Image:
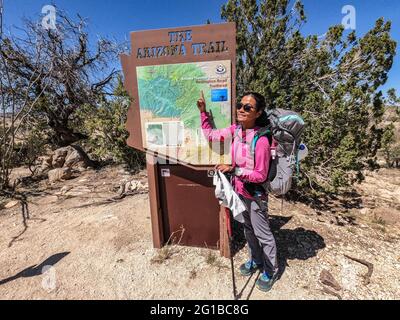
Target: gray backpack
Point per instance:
(284, 133)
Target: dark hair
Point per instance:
(262, 120)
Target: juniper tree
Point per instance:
(59, 70)
(333, 81)
(106, 129)
(46, 75)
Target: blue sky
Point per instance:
(118, 17)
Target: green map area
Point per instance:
(171, 91)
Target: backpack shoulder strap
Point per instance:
(264, 132)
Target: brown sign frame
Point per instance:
(213, 42)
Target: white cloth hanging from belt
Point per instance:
(228, 197)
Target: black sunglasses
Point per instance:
(247, 107)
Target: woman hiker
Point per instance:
(249, 170)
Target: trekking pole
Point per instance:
(230, 236)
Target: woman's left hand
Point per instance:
(224, 168)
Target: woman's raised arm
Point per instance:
(209, 132)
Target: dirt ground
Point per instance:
(72, 242)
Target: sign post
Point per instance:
(164, 74)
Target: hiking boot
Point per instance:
(265, 282)
(248, 268)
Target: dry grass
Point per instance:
(350, 215)
(169, 249)
(379, 220)
(163, 254)
(391, 239)
(193, 274)
(213, 260)
(378, 223)
(352, 230)
(379, 227)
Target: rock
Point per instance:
(73, 159)
(327, 279)
(134, 186)
(46, 163)
(59, 174)
(128, 186)
(138, 186)
(44, 168)
(59, 157)
(71, 156)
(11, 204)
(48, 159)
(77, 158)
(121, 190)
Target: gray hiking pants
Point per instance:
(260, 239)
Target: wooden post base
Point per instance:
(224, 248)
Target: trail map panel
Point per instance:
(170, 117)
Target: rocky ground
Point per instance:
(90, 238)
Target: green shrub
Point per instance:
(107, 135)
(333, 81)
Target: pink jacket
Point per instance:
(241, 154)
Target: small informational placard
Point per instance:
(211, 173)
(166, 173)
(164, 134)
